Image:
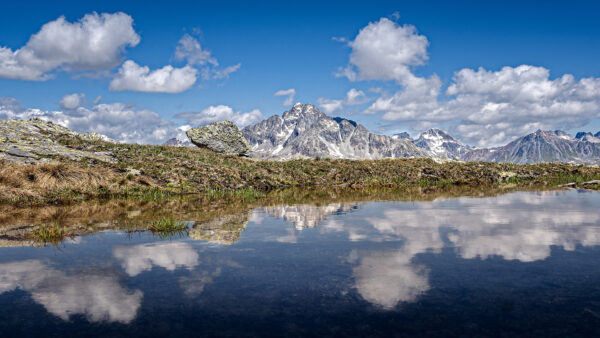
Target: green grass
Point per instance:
(166, 225)
(49, 234)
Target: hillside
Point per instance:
(146, 170)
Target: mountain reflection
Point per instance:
(518, 226)
(304, 216)
(96, 294)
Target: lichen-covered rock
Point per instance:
(35, 141)
(222, 137)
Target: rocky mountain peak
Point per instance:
(400, 136)
(304, 131)
(440, 144)
(302, 111)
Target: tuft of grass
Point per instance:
(49, 234)
(166, 225)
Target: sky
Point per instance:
(138, 71)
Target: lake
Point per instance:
(521, 263)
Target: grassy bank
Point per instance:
(153, 172)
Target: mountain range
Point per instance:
(305, 132)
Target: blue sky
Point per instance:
(283, 45)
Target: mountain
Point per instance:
(401, 135)
(541, 146)
(439, 144)
(304, 131)
(587, 136)
(179, 142)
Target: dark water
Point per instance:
(523, 263)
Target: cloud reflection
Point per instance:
(97, 295)
(139, 258)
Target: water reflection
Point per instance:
(387, 278)
(98, 295)
(314, 257)
(517, 226)
(138, 258)
(305, 216)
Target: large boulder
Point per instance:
(222, 137)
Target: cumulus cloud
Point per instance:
(482, 107)
(95, 42)
(220, 113)
(290, 93)
(353, 97)
(72, 101)
(96, 294)
(120, 121)
(384, 50)
(487, 108)
(168, 79)
(189, 49)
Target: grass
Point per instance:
(49, 234)
(166, 225)
(166, 171)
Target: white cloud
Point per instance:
(72, 101)
(483, 108)
(97, 295)
(220, 113)
(290, 93)
(353, 97)
(168, 79)
(119, 121)
(95, 42)
(384, 50)
(189, 49)
(487, 108)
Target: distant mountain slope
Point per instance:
(439, 144)
(304, 131)
(541, 146)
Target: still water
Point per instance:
(521, 263)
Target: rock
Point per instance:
(20, 153)
(35, 141)
(566, 185)
(591, 182)
(222, 137)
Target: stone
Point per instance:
(35, 141)
(222, 137)
(20, 153)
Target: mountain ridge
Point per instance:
(305, 132)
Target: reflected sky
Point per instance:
(286, 264)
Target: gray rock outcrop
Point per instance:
(222, 137)
(35, 141)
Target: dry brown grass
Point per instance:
(170, 170)
(48, 181)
